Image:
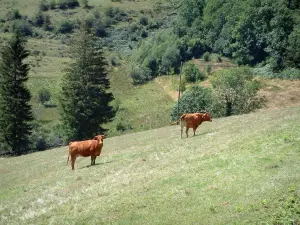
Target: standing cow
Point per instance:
(192, 120)
(86, 148)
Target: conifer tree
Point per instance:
(85, 100)
(15, 111)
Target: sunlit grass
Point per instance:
(236, 170)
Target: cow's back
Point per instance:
(83, 148)
(192, 119)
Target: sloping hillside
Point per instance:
(236, 170)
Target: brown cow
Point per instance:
(192, 120)
(86, 148)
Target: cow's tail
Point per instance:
(177, 122)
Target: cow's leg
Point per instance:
(182, 123)
(73, 159)
(93, 159)
(194, 129)
(187, 131)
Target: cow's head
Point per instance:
(99, 137)
(207, 116)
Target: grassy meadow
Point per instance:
(236, 170)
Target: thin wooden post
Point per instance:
(179, 90)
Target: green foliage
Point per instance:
(206, 56)
(44, 95)
(43, 5)
(196, 99)
(38, 19)
(85, 100)
(143, 20)
(159, 54)
(15, 110)
(139, 74)
(64, 26)
(192, 73)
(288, 208)
(208, 69)
(23, 27)
(84, 3)
(235, 92)
(293, 49)
(190, 10)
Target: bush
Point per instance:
(84, 3)
(44, 96)
(43, 6)
(192, 73)
(206, 56)
(64, 26)
(38, 19)
(143, 20)
(114, 61)
(235, 92)
(169, 60)
(72, 3)
(23, 27)
(52, 4)
(140, 74)
(196, 99)
(208, 69)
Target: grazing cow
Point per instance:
(86, 148)
(192, 120)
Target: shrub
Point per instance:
(114, 61)
(208, 69)
(143, 20)
(72, 3)
(192, 73)
(23, 27)
(64, 26)
(38, 19)
(90, 19)
(84, 3)
(170, 59)
(235, 92)
(13, 15)
(44, 96)
(206, 56)
(43, 6)
(52, 4)
(196, 99)
(140, 74)
(96, 13)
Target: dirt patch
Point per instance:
(166, 83)
(280, 93)
(215, 66)
(277, 93)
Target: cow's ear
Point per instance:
(95, 138)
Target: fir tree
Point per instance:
(15, 111)
(85, 100)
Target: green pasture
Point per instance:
(236, 170)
